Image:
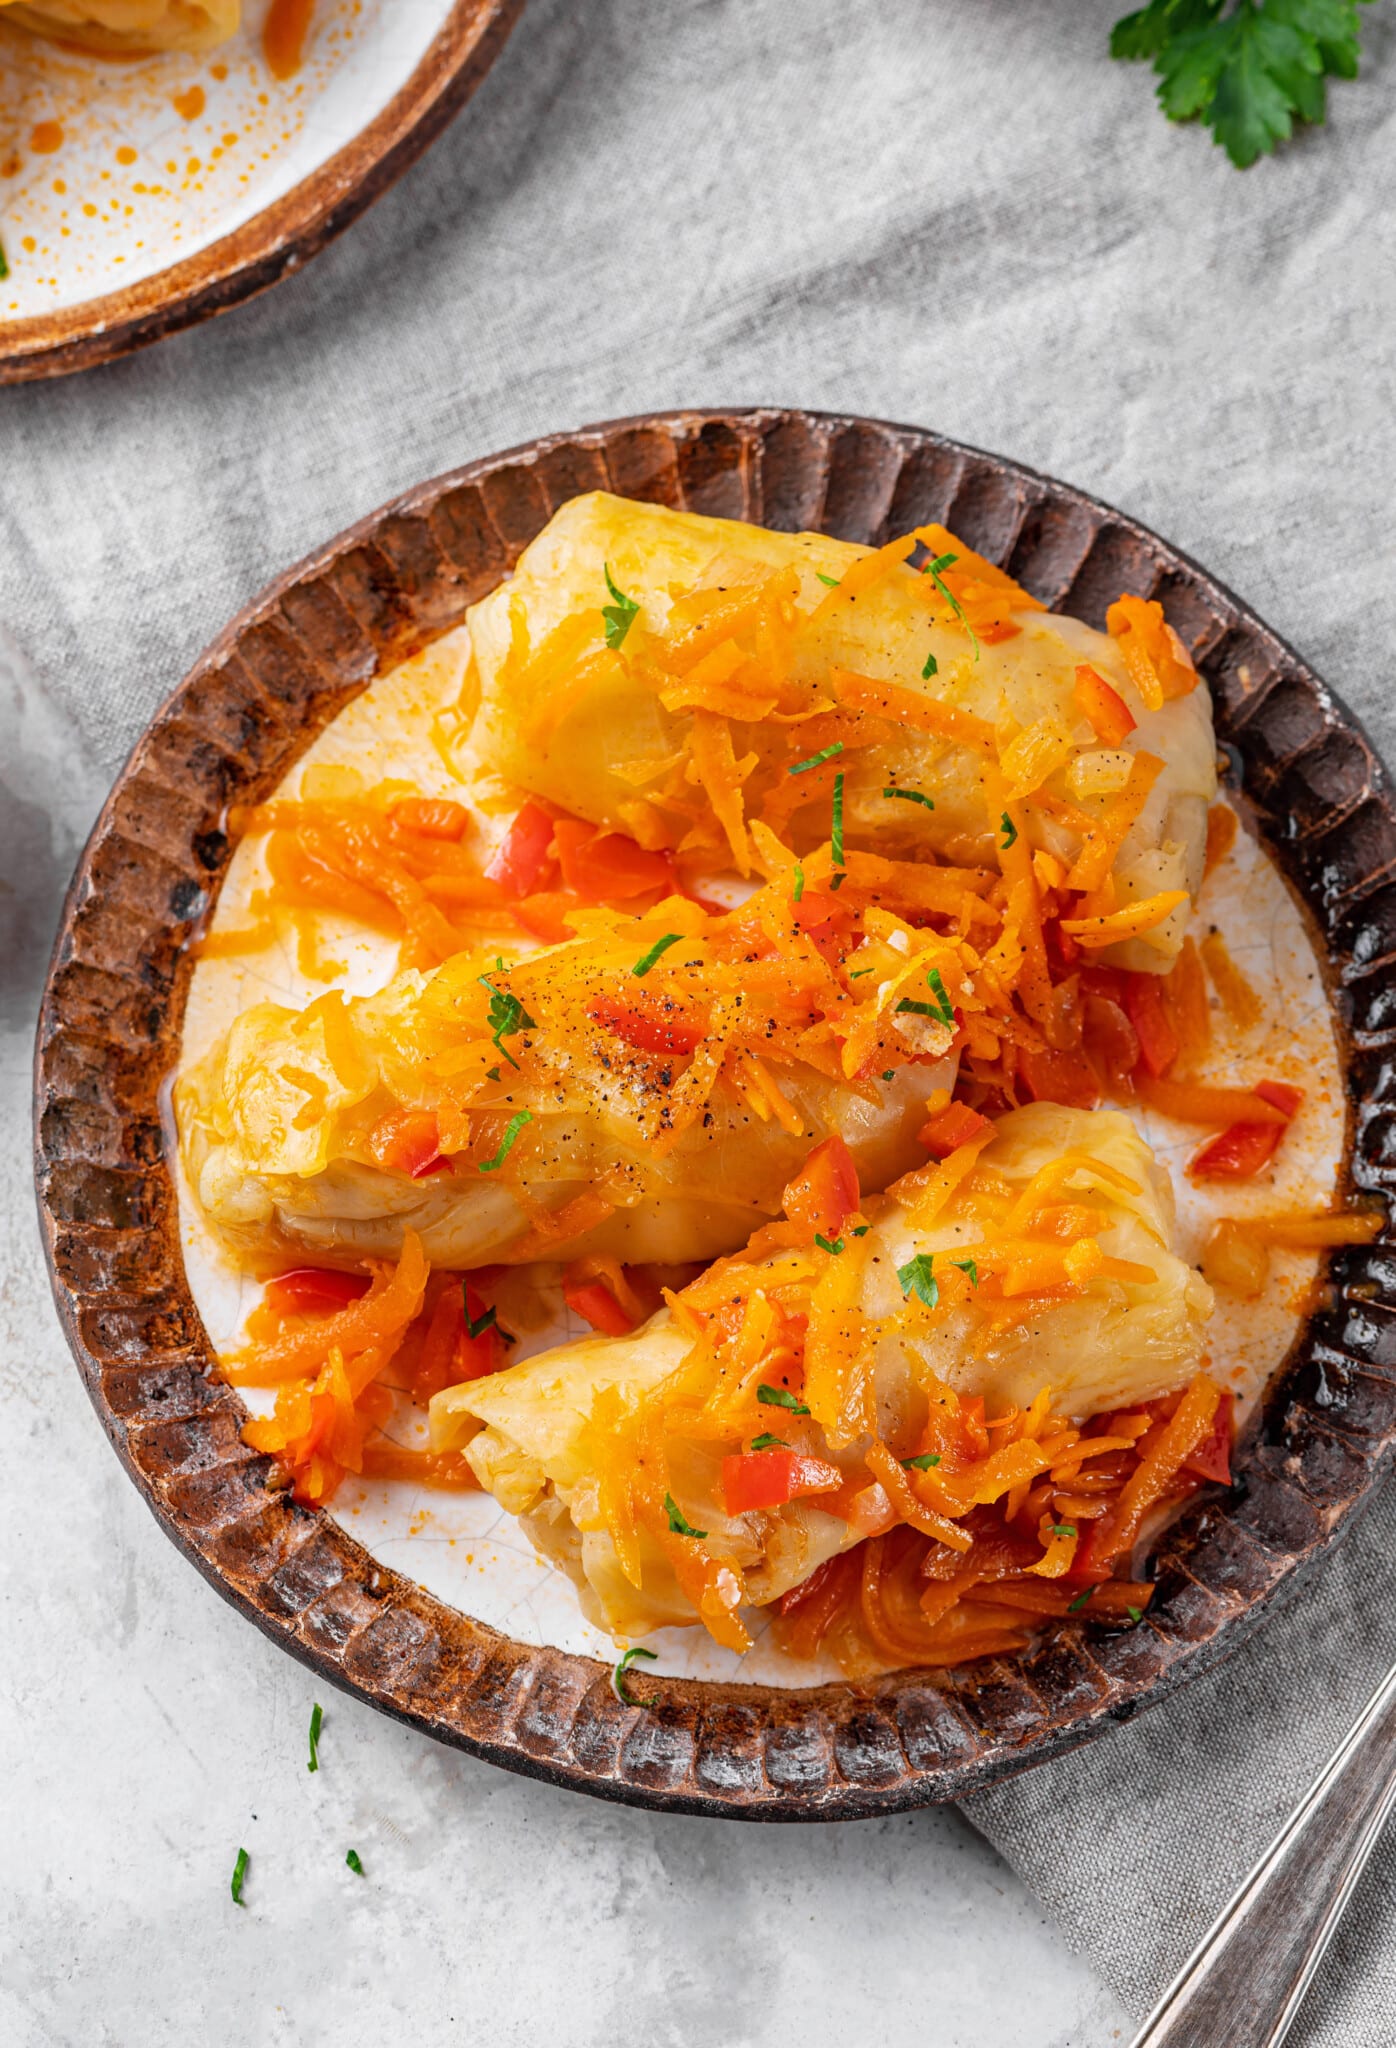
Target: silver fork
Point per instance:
(1245, 1981)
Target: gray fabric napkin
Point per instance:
(955, 212)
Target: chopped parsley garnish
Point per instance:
(1134, 1614)
(888, 1073)
(492, 1073)
(832, 581)
(767, 1442)
(1063, 1528)
(857, 973)
(911, 796)
(507, 1016)
(352, 1859)
(916, 1277)
(799, 889)
(316, 1719)
(936, 571)
(834, 1245)
(816, 760)
(239, 1873)
(942, 1009)
(968, 1266)
(923, 1463)
(1009, 831)
(862, 1229)
(506, 1145)
(647, 960)
(476, 1326)
(1079, 1602)
(677, 1523)
(1248, 74)
(618, 1675)
(619, 616)
(836, 828)
(780, 1397)
(932, 668)
(4, 265)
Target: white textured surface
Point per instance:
(950, 211)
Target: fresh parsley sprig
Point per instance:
(780, 1397)
(1247, 69)
(618, 1685)
(508, 1141)
(507, 1016)
(620, 615)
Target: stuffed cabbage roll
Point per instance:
(929, 1356)
(677, 677)
(645, 1090)
(124, 27)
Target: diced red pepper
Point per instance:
(955, 1125)
(310, 1290)
(768, 1479)
(808, 1588)
(545, 914)
(1240, 1151)
(608, 867)
(594, 1302)
(522, 861)
(1212, 1458)
(643, 1024)
(824, 1194)
(1090, 1566)
(1158, 1041)
(1065, 1077)
(1063, 952)
(1111, 1040)
(408, 1141)
(432, 817)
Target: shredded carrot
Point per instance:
(1222, 827)
(1239, 999)
(1108, 832)
(1135, 921)
(906, 707)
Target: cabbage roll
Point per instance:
(661, 673)
(1032, 1269)
(645, 1090)
(124, 27)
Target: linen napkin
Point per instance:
(953, 212)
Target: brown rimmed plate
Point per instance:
(279, 238)
(110, 1030)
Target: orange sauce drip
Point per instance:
(45, 138)
(283, 38)
(190, 103)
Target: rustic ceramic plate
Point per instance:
(110, 1032)
(139, 197)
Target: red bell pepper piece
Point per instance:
(955, 1125)
(1065, 1077)
(594, 1302)
(643, 1024)
(1212, 1458)
(1158, 1041)
(432, 817)
(608, 867)
(1241, 1150)
(408, 1141)
(768, 1479)
(1110, 717)
(824, 1194)
(523, 860)
(312, 1290)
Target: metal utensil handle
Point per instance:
(1245, 1981)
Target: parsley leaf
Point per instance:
(1134, 1614)
(1009, 831)
(1079, 1602)
(916, 1277)
(1063, 1528)
(968, 1266)
(923, 1463)
(834, 1245)
(935, 571)
(476, 1326)
(647, 960)
(767, 1442)
(677, 1523)
(816, 760)
(832, 581)
(619, 616)
(780, 1397)
(506, 1143)
(618, 1675)
(932, 668)
(507, 1017)
(836, 829)
(352, 1859)
(239, 1873)
(4, 266)
(316, 1718)
(911, 796)
(1247, 68)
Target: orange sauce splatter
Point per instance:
(219, 71)
(45, 137)
(125, 154)
(283, 38)
(189, 103)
